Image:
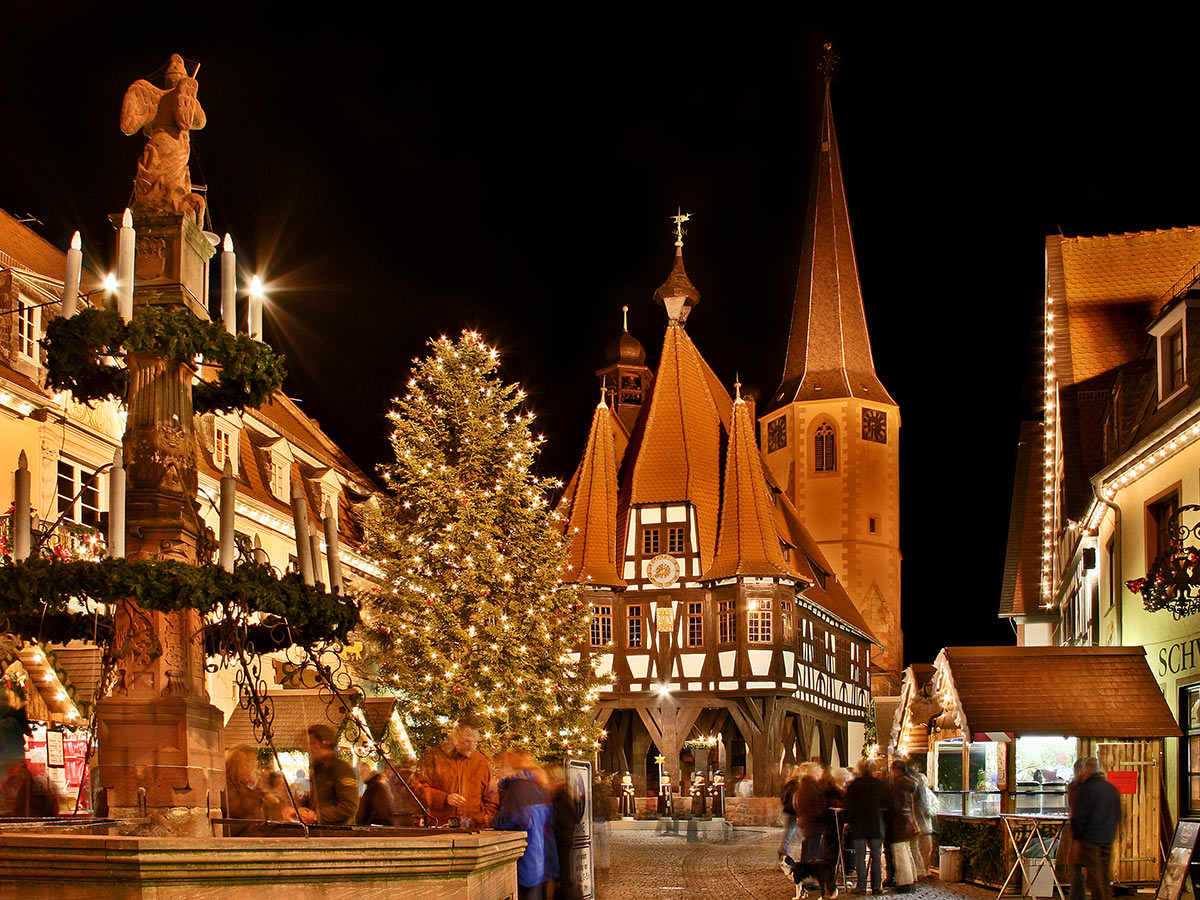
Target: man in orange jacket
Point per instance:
(457, 779)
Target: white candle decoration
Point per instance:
(314, 538)
(229, 286)
(254, 313)
(116, 507)
(71, 280)
(303, 544)
(260, 555)
(126, 241)
(228, 498)
(331, 549)
(22, 526)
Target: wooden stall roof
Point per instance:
(295, 710)
(1101, 692)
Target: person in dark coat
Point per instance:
(525, 805)
(1094, 820)
(904, 831)
(788, 797)
(375, 804)
(868, 801)
(333, 796)
(811, 811)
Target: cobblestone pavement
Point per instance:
(644, 865)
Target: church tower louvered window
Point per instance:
(825, 448)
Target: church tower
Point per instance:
(831, 430)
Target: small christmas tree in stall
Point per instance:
(473, 615)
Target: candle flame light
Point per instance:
(110, 282)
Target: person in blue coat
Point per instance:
(525, 805)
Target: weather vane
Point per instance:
(829, 60)
(679, 218)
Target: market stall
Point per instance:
(998, 729)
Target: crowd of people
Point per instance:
(454, 784)
(859, 814)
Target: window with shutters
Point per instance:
(825, 448)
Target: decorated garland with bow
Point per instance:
(248, 372)
(75, 600)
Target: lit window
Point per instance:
(78, 495)
(824, 449)
(695, 625)
(27, 330)
(727, 621)
(675, 540)
(650, 541)
(277, 474)
(223, 447)
(1158, 524)
(634, 615)
(785, 617)
(758, 622)
(601, 626)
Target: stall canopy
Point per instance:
(296, 710)
(1088, 692)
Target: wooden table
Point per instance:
(1028, 831)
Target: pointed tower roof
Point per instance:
(679, 451)
(748, 542)
(829, 350)
(591, 510)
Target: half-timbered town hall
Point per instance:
(738, 602)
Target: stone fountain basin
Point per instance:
(408, 863)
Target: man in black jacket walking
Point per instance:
(868, 801)
(1094, 819)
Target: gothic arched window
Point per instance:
(825, 448)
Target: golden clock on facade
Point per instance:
(874, 425)
(663, 570)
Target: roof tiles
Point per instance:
(591, 510)
(1096, 692)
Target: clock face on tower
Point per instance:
(874, 425)
(663, 570)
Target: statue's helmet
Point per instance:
(175, 68)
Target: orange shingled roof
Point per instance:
(1113, 286)
(748, 543)
(829, 350)
(1020, 592)
(679, 456)
(591, 511)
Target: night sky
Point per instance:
(396, 177)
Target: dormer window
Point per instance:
(224, 446)
(28, 319)
(277, 474)
(1170, 339)
(1173, 365)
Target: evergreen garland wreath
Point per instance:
(249, 371)
(41, 596)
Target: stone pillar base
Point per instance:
(162, 758)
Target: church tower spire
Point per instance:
(829, 350)
(831, 430)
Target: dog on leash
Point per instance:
(819, 871)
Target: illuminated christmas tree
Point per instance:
(474, 615)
